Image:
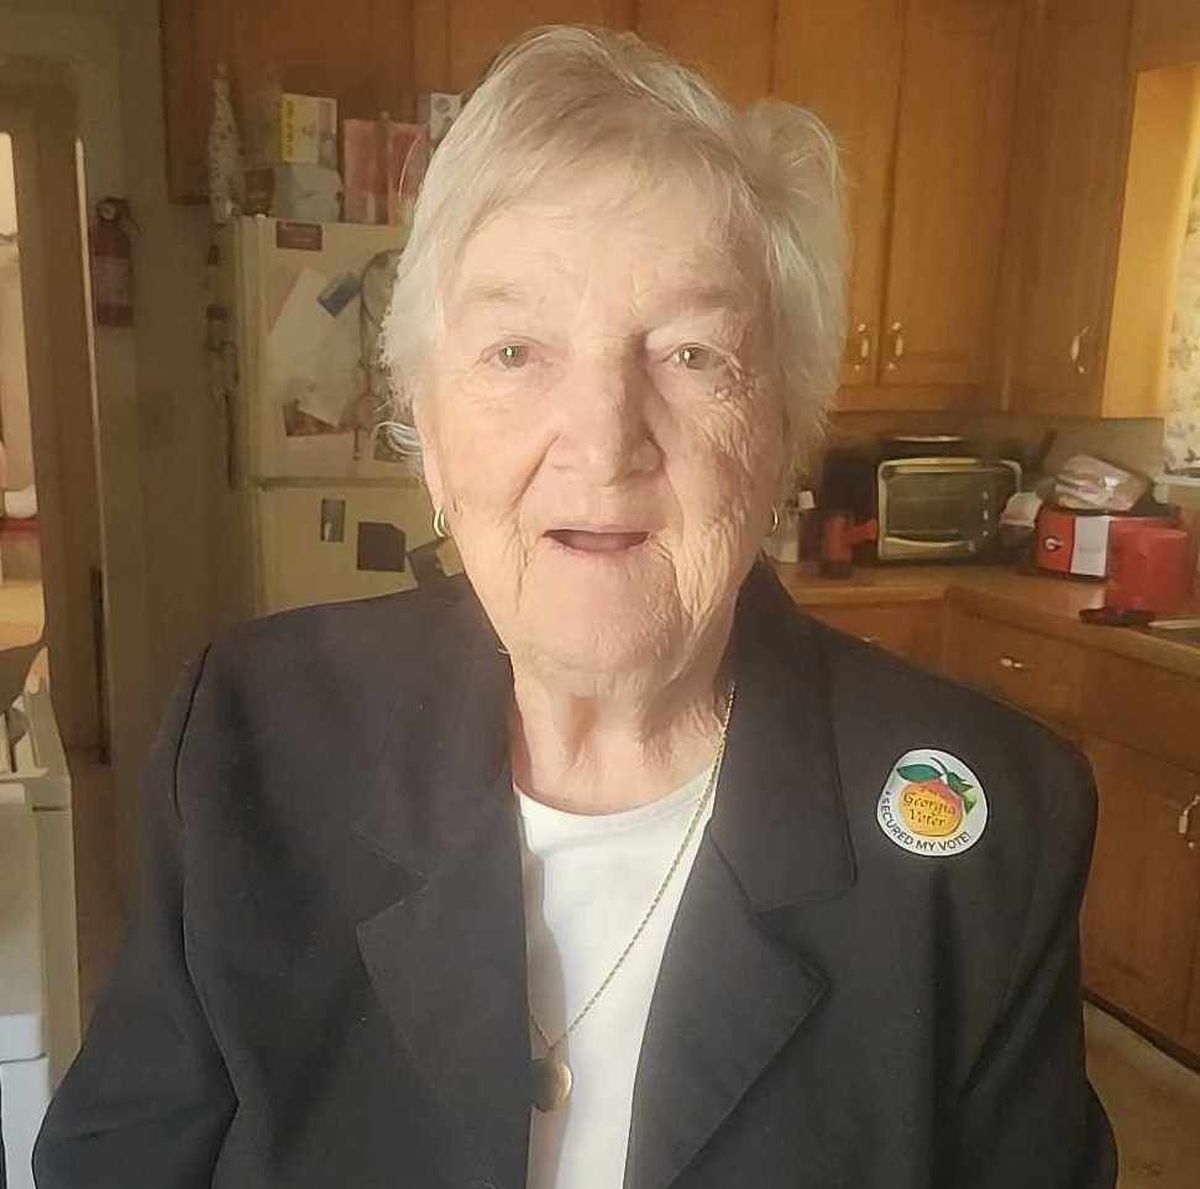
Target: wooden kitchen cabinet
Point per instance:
(920, 94)
(841, 59)
(1076, 137)
(954, 140)
(1141, 916)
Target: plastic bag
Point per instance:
(1092, 484)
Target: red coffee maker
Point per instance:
(1150, 568)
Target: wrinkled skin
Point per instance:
(599, 375)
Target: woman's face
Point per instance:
(595, 427)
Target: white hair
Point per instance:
(562, 96)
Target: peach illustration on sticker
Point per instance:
(932, 804)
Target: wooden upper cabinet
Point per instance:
(455, 40)
(841, 58)
(953, 147)
(363, 59)
(1077, 139)
(729, 43)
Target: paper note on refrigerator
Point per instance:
(312, 355)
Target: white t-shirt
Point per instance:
(589, 879)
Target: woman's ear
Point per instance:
(430, 461)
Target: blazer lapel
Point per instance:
(730, 992)
(448, 959)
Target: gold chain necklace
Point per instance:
(552, 1077)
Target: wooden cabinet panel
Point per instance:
(455, 40)
(953, 148)
(841, 58)
(1144, 706)
(1141, 915)
(1077, 139)
(730, 44)
(1038, 673)
(912, 630)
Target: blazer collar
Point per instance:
(779, 816)
(448, 958)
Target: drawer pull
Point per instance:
(1185, 820)
(1008, 662)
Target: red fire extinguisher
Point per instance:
(112, 263)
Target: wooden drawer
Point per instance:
(911, 630)
(1038, 673)
(1149, 708)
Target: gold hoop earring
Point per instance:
(440, 529)
(774, 521)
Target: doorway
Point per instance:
(51, 571)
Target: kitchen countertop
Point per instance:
(1039, 602)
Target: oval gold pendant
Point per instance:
(551, 1083)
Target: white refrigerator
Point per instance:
(332, 510)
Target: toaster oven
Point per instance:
(942, 509)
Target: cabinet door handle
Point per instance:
(858, 350)
(1008, 662)
(1077, 350)
(896, 330)
(1185, 821)
(864, 343)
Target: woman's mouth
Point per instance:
(596, 540)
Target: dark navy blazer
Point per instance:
(325, 985)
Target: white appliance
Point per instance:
(39, 971)
(331, 508)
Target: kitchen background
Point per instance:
(1021, 177)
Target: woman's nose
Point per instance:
(604, 431)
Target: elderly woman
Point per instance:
(600, 866)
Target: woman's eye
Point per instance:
(697, 358)
(513, 355)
